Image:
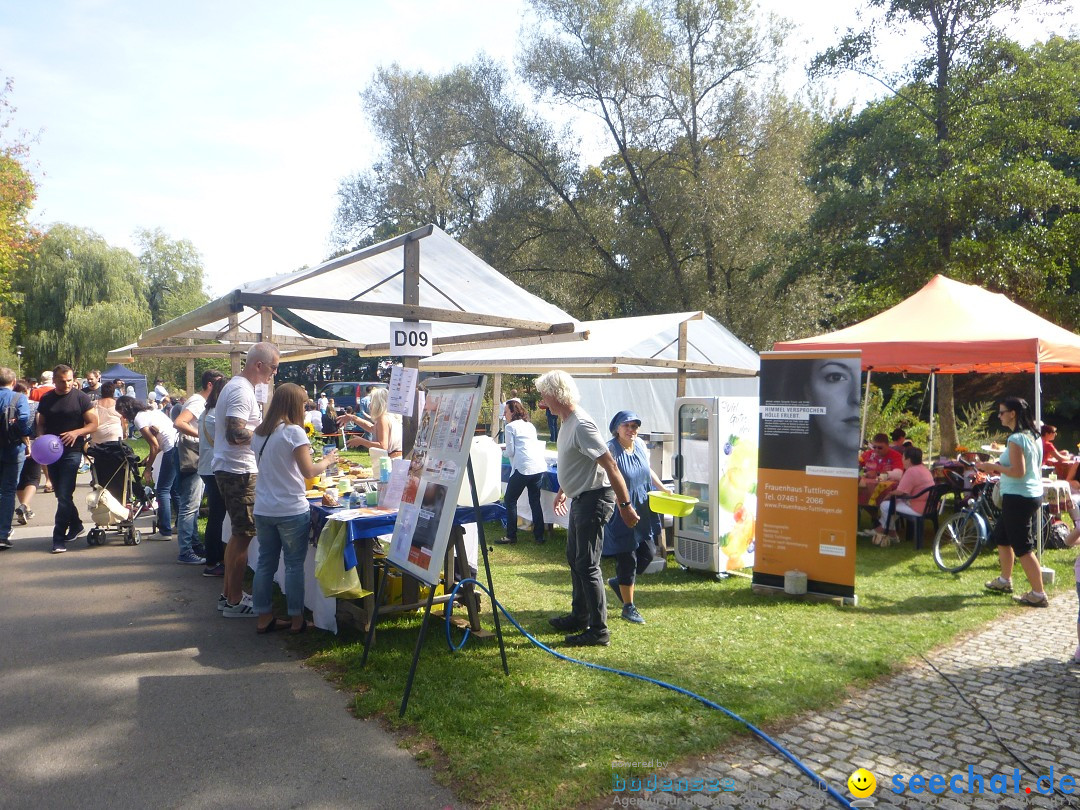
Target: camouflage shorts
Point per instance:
(238, 492)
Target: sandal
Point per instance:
(275, 624)
(297, 631)
(46, 488)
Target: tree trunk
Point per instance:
(946, 414)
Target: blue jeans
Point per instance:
(553, 426)
(276, 535)
(189, 492)
(215, 549)
(11, 463)
(166, 481)
(62, 473)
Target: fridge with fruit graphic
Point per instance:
(715, 461)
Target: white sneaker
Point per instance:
(240, 610)
(222, 601)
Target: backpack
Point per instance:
(10, 434)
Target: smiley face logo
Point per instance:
(862, 783)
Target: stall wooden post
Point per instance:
(189, 370)
(496, 401)
(410, 296)
(266, 335)
(235, 353)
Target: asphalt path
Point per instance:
(121, 687)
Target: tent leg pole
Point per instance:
(1038, 423)
(865, 405)
(933, 391)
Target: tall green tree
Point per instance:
(954, 171)
(432, 168)
(17, 235)
(172, 276)
(692, 207)
(173, 273)
(17, 193)
(706, 163)
(77, 299)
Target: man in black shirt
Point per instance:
(93, 385)
(67, 413)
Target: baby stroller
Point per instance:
(118, 496)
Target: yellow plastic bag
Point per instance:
(330, 572)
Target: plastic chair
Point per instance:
(931, 512)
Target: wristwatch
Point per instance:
(624, 504)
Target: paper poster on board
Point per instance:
(808, 469)
(436, 469)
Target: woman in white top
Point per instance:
(384, 426)
(282, 515)
(161, 436)
(110, 423)
(528, 463)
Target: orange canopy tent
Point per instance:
(950, 328)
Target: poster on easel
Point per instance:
(437, 466)
(808, 470)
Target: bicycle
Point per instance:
(964, 535)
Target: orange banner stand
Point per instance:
(808, 474)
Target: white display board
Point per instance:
(437, 467)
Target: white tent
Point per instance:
(348, 303)
(630, 363)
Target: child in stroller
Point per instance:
(118, 496)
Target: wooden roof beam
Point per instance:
(402, 311)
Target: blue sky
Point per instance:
(230, 123)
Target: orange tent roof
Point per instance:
(948, 327)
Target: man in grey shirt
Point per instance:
(590, 480)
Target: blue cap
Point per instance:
(621, 418)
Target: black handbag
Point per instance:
(189, 454)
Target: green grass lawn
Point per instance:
(545, 736)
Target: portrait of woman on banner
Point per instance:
(826, 439)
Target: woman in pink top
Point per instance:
(916, 480)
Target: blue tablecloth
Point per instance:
(550, 481)
(361, 527)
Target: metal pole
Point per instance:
(933, 390)
(865, 405)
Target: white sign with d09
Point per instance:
(410, 339)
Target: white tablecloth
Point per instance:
(323, 609)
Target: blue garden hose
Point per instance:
(820, 782)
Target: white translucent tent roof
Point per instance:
(647, 344)
(451, 277)
(348, 302)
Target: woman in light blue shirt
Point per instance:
(1020, 467)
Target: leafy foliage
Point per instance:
(692, 208)
(78, 298)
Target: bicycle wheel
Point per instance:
(957, 542)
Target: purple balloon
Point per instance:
(46, 449)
